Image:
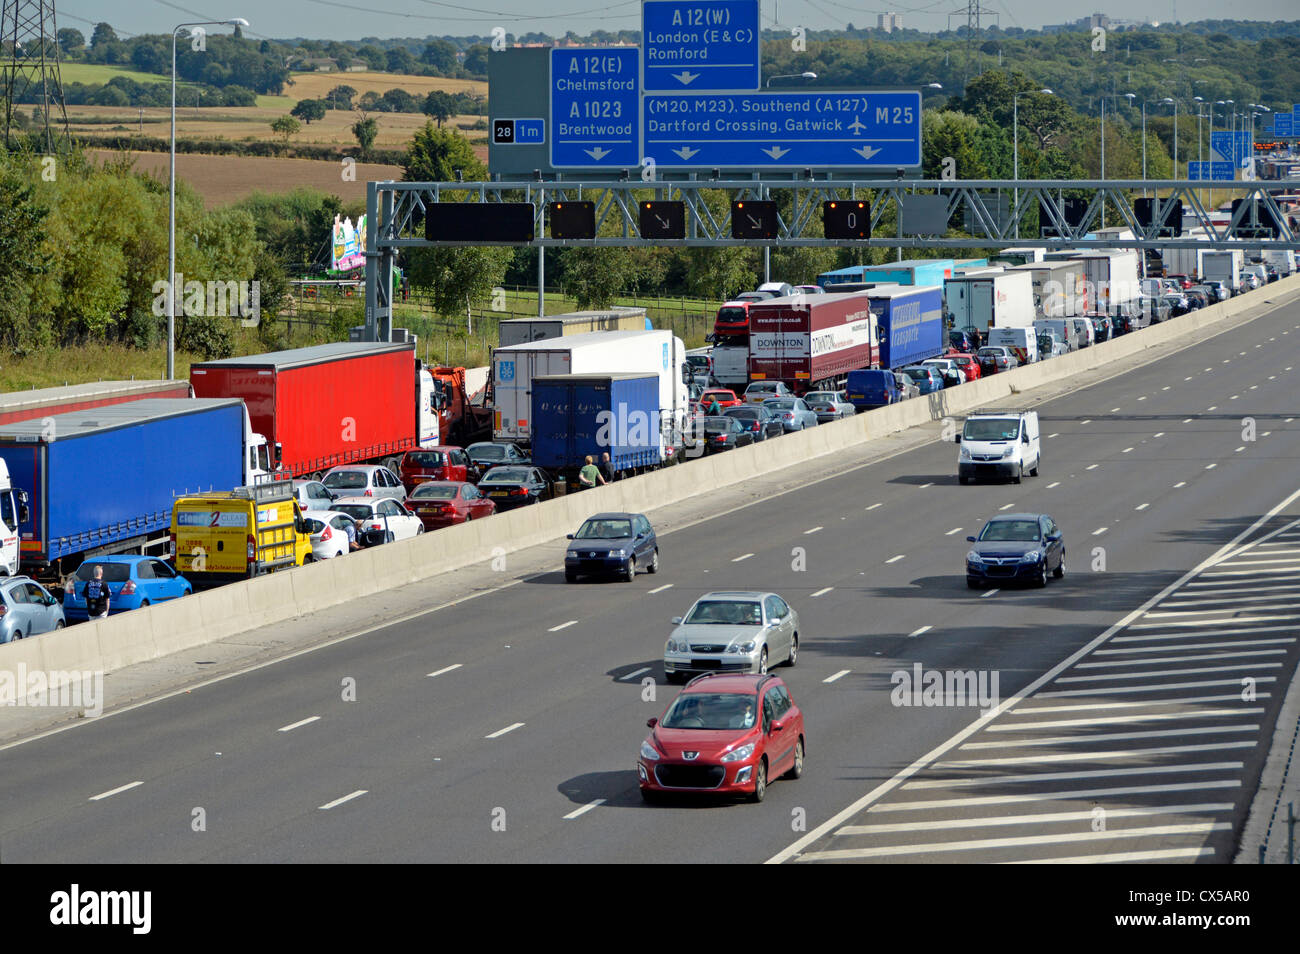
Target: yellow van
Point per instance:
(236, 534)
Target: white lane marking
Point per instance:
(1240, 449)
(1126, 450)
(1158, 434)
(1165, 388)
(923, 486)
(1188, 378)
(952, 531)
(1142, 398)
(1006, 506)
(1034, 777)
(874, 506)
(813, 530)
(298, 725)
(1142, 506)
(444, 669)
(500, 732)
(1188, 420)
(1055, 483)
(989, 593)
(339, 801)
(1211, 466)
(1233, 398)
(741, 559)
(838, 854)
(1169, 672)
(1282, 641)
(1121, 857)
(1140, 752)
(1138, 717)
(660, 589)
(578, 812)
(895, 559)
(824, 590)
(1279, 591)
(1214, 622)
(1114, 736)
(1031, 819)
(1146, 703)
(919, 632)
(1266, 433)
(1155, 687)
(1199, 657)
(1254, 387)
(1032, 688)
(1085, 421)
(115, 791)
(1181, 483)
(1050, 436)
(1099, 793)
(556, 629)
(1091, 467)
(634, 673)
(1113, 410)
(1099, 531)
(838, 675)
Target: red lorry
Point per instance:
(47, 402)
(331, 404)
(811, 342)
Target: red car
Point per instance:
(726, 732)
(969, 364)
(440, 503)
(725, 397)
(443, 462)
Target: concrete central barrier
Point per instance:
(258, 604)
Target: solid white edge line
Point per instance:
(500, 732)
(444, 669)
(298, 725)
(115, 791)
(933, 755)
(578, 812)
(339, 801)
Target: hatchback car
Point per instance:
(724, 396)
(488, 454)
(312, 495)
(995, 358)
(380, 521)
(512, 486)
(829, 405)
(722, 432)
(27, 609)
(968, 364)
(760, 421)
(612, 544)
(133, 581)
(742, 631)
(443, 462)
(363, 480)
(441, 503)
(794, 413)
(1021, 547)
(332, 533)
(926, 378)
(760, 391)
(952, 373)
(727, 734)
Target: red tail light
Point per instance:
(327, 534)
(520, 491)
(369, 493)
(252, 548)
(3, 609)
(128, 588)
(171, 552)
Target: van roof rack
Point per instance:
(267, 491)
(999, 410)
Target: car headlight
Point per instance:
(1010, 450)
(743, 648)
(973, 557)
(677, 646)
(965, 454)
(740, 754)
(620, 554)
(1032, 556)
(648, 752)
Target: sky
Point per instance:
(353, 19)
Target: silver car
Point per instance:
(794, 413)
(906, 386)
(363, 480)
(741, 631)
(829, 405)
(27, 609)
(312, 495)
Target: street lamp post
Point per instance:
(171, 198)
(1170, 101)
(1200, 157)
(1015, 147)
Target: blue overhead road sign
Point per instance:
(841, 130)
(700, 45)
(1282, 124)
(594, 98)
(1228, 149)
(1224, 171)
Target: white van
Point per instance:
(1022, 342)
(1085, 335)
(1063, 328)
(999, 443)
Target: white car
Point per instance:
(383, 514)
(332, 532)
(363, 480)
(950, 369)
(760, 391)
(312, 495)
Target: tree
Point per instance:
(400, 60)
(435, 154)
(71, 41)
(476, 59)
(308, 110)
(440, 105)
(441, 56)
(286, 126)
(103, 34)
(373, 56)
(365, 129)
(340, 97)
(398, 101)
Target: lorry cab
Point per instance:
(13, 511)
(732, 319)
(999, 443)
(221, 536)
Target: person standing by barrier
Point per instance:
(590, 474)
(97, 595)
(606, 468)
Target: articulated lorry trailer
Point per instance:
(103, 480)
(332, 404)
(46, 402)
(907, 325)
(810, 342)
(521, 330)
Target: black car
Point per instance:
(1101, 327)
(966, 342)
(612, 544)
(513, 485)
(724, 433)
(1198, 298)
(488, 454)
(1018, 547)
(759, 420)
(1120, 325)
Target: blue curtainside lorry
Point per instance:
(909, 324)
(576, 415)
(102, 480)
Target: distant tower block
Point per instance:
(29, 69)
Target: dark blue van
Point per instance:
(872, 388)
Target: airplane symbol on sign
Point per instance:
(857, 125)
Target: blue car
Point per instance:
(133, 582)
(926, 377)
(1021, 547)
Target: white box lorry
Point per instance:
(1224, 266)
(981, 302)
(597, 352)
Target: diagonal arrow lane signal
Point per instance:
(776, 152)
(866, 152)
(663, 221)
(598, 153)
(754, 223)
(685, 152)
(685, 77)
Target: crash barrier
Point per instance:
(141, 635)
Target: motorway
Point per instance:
(505, 728)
